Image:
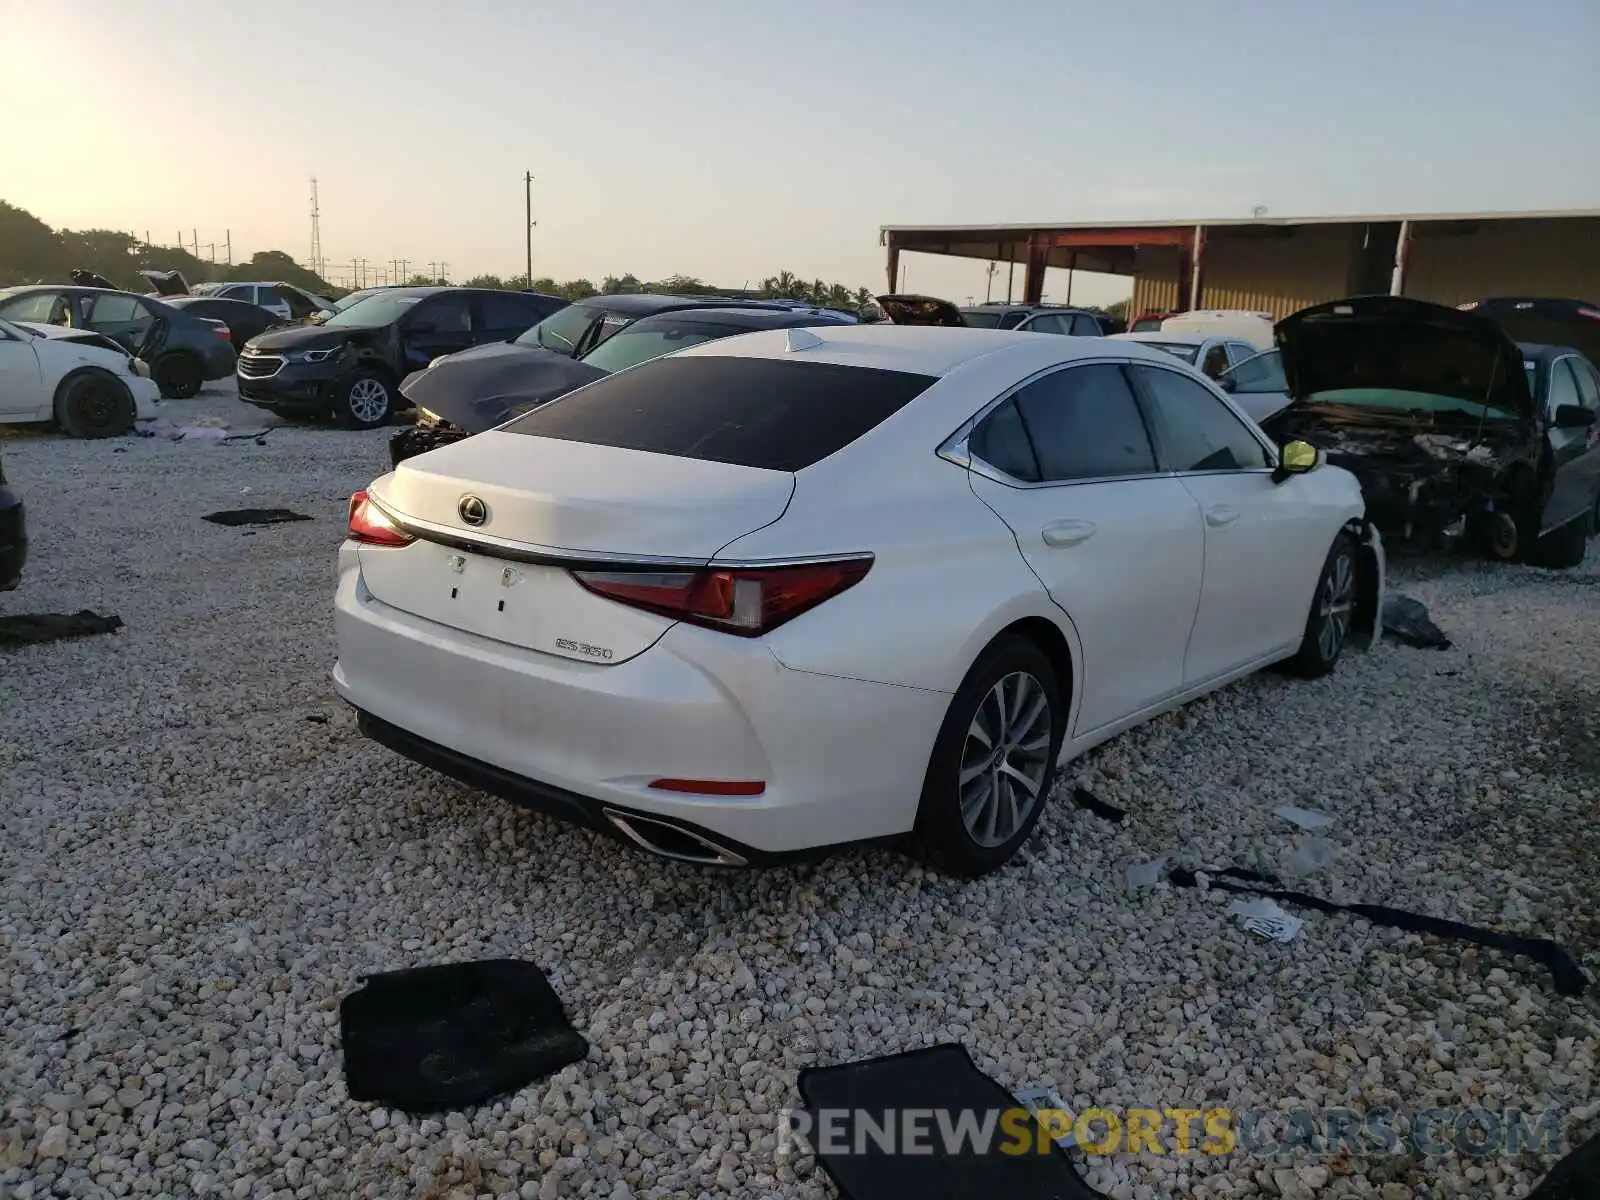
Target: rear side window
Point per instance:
(1001, 441)
(1084, 424)
(269, 296)
(751, 412)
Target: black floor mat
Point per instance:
(454, 1035)
(29, 629)
(940, 1077)
(254, 516)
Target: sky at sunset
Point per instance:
(729, 139)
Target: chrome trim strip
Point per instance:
(569, 559)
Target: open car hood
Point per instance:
(1393, 343)
(920, 310)
(167, 283)
(488, 385)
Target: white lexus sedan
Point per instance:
(807, 588)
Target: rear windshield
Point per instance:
(561, 331)
(751, 412)
(1181, 350)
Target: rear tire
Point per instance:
(1332, 605)
(178, 375)
(994, 762)
(364, 400)
(94, 405)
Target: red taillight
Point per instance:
(711, 787)
(224, 333)
(746, 601)
(370, 524)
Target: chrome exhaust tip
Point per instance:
(665, 839)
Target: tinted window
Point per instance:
(1215, 361)
(445, 314)
(1049, 323)
(266, 296)
(1012, 319)
(653, 337)
(1084, 424)
(1563, 386)
(1187, 352)
(1240, 352)
(515, 314)
(1084, 325)
(1001, 440)
(753, 412)
(115, 308)
(980, 319)
(36, 306)
(1588, 384)
(239, 291)
(1263, 373)
(1198, 432)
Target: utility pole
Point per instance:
(404, 274)
(527, 212)
(444, 272)
(354, 277)
(230, 246)
(211, 248)
(316, 230)
(194, 235)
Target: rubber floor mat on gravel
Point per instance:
(859, 1098)
(445, 1037)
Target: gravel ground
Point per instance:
(201, 856)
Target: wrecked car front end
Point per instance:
(1428, 407)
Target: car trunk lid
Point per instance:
(547, 506)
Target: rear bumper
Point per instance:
(13, 539)
(842, 760)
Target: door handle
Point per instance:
(1061, 534)
(1219, 515)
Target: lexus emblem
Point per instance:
(473, 510)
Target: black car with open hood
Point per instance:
(1431, 409)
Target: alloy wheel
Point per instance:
(1334, 603)
(1005, 759)
(369, 400)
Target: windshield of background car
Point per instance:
(635, 345)
(1147, 325)
(751, 412)
(980, 319)
(1176, 349)
(560, 331)
(1400, 401)
(374, 312)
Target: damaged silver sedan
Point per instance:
(1451, 436)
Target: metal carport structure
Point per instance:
(1280, 264)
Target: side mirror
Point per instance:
(1574, 416)
(1296, 458)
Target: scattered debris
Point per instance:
(254, 516)
(1146, 874)
(204, 429)
(1084, 798)
(853, 1098)
(1408, 620)
(1565, 973)
(1310, 856)
(32, 629)
(1306, 818)
(454, 1035)
(1041, 1098)
(317, 718)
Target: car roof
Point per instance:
(1175, 338)
(999, 306)
(649, 302)
(920, 349)
(746, 318)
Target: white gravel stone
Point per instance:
(193, 874)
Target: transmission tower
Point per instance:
(316, 230)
